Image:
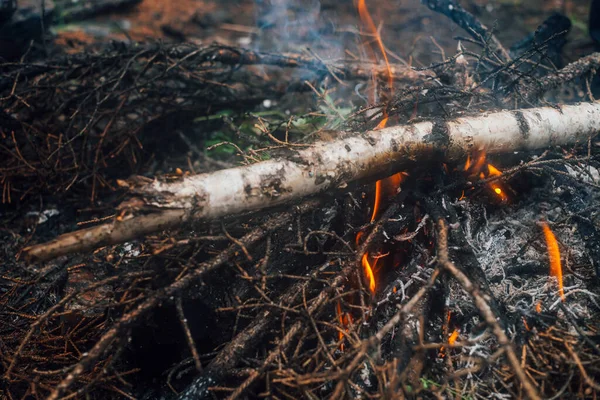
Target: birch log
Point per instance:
(329, 165)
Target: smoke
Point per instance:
(307, 27)
(286, 25)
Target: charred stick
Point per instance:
(567, 74)
(373, 341)
(251, 336)
(464, 253)
(362, 70)
(316, 306)
(132, 317)
(469, 23)
(483, 305)
(54, 309)
(331, 165)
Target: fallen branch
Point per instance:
(469, 23)
(576, 69)
(331, 165)
(345, 69)
(164, 295)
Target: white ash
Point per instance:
(511, 250)
(43, 216)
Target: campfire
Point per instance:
(309, 207)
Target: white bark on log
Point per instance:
(324, 166)
(328, 165)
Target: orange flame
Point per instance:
(453, 337)
(554, 256)
(366, 19)
(385, 187)
(368, 270)
(493, 171)
(477, 169)
(345, 320)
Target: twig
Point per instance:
(132, 317)
(483, 306)
(468, 22)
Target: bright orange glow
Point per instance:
(477, 168)
(368, 272)
(480, 162)
(383, 122)
(345, 320)
(554, 256)
(493, 170)
(385, 187)
(377, 199)
(468, 163)
(538, 307)
(453, 337)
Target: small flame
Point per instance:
(538, 307)
(468, 163)
(366, 19)
(480, 161)
(453, 337)
(385, 187)
(368, 270)
(493, 171)
(477, 169)
(378, 186)
(554, 256)
(345, 320)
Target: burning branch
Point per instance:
(331, 165)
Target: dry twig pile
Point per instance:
(444, 291)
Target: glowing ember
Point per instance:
(554, 256)
(538, 307)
